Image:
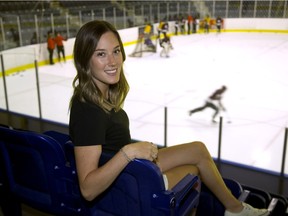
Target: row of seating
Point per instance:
(38, 169)
(18, 6)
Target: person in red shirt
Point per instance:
(189, 23)
(60, 46)
(50, 47)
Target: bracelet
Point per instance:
(125, 155)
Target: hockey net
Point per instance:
(145, 43)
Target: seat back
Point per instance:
(9, 204)
(38, 173)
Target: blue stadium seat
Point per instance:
(140, 190)
(209, 205)
(41, 173)
(257, 197)
(37, 173)
(9, 204)
(280, 204)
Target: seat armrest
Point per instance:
(187, 193)
(189, 182)
(182, 198)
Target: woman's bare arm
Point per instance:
(93, 179)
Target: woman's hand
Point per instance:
(141, 150)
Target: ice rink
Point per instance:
(253, 66)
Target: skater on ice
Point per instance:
(214, 102)
(166, 45)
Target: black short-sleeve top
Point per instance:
(91, 125)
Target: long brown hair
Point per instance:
(85, 89)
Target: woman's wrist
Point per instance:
(124, 154)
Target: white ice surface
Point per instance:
(253, 66)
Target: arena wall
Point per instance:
(22, 58)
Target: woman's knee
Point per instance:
(200, 148)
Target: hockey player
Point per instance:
(165, 27)
(213, 102)
(159, 28)
(218, 24)
(162, 29)
(207, 24)
(166, 45)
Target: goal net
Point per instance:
(146, 42)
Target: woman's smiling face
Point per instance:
(106, 62)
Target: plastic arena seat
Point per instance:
(8, 203)
(276, 204)
(257, 197)
(40, 171)
(38, 174)
(280, 204)
(140, 190)
(209, 205)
